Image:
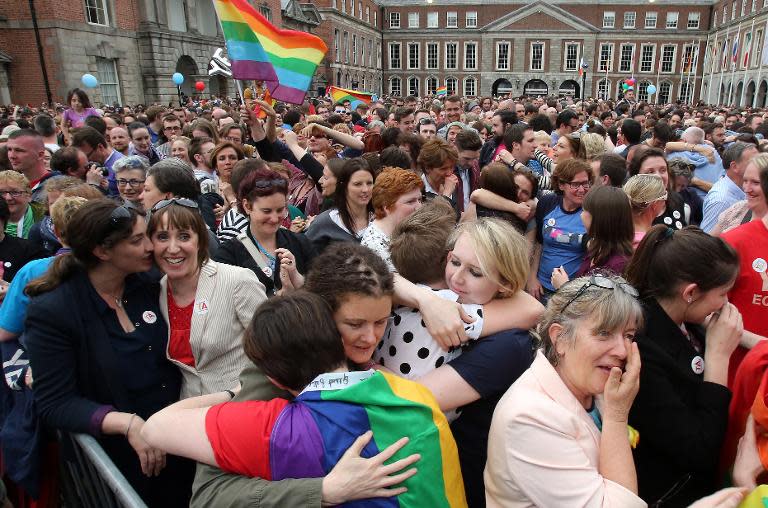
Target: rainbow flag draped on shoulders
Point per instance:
(353, 96)
(284, 59)
(307, 437)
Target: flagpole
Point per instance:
(683, 63)
(711, 70)
(694, 66)
(760, 64)
(658, 73)
(720, 64)
(691, 66)
(746, 67)
(735, 49)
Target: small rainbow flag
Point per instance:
(284, 59)
(305, 438)
(441, 90)
(353, 96)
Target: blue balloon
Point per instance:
(651, 89)
(90, 81)
(178, 78)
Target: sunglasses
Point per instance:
(120, 215)
(266, 184)
(185, 202)
(603, 283)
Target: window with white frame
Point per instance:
(433, 20)
(96, 12)
(537, 56)
(757, 53)
(433, 55)
(470, 87)
(471, 19)
(451, 55)
(650, 19)
(336, 44)
(367, 14)
(743, 7)
(109, 84)
(450, 85)
(725, 13)
(431, 85)
(733, 10)
(394, 20)
(663, 92)
(344, 6)
(413, 20)
(502, 56)
(688, 58)
(642, 91)
(629, 19)
(765, 3)
(714, 19)
(333, 4)
(395, 86)
(177, 18)
(606, 57)
(452, 19)
(672, 20)
(354, 49)
(747, 48)
(376, 21)
(571, 61)
(694, 20)
(370, 54)
(346, 47)
(724, 55)
(394, 55)
(362, 50)
(413, 86)
(360, 10)
(625, 57)
(754, 6)
(647, 57)
(266, 11)
(413, 55)
(609, 19)
(604, 89)
(378, 55)
(470, 55)
(668, 58)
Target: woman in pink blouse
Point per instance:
(79, 109)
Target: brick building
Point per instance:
(484, 47)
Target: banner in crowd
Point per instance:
(284, 59)
(353, 96)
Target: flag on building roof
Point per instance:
(441, 91)
(354, 97)
(284, 59)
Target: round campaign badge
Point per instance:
(697, 364)
(678, 224)
(551, 222)
(7, 264)
(759, 265)
(676, 214)
(668, 221)
(149, 317)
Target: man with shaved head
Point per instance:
(25, 152)
(119, 139)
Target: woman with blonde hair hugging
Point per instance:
(648, 198)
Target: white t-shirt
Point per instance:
(378, 241)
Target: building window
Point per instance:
(360, 10)
(668, 58)
(725, 13)
(650, 19)
(626, 57)
(450, 85)
(743, 7)
(432, 20)
(754, 6)
(647, 57)
(629, 19)
(757, 54)
(606, 57)
(609, 19)
(663, 93)
(344, 6)
(346, 47)
(394, 20)
(354, 49)
(395, 86)
(378, 56)
(109, 84)
(451, 57)
(394, 55)
(431, 85)
(502, 56)
(177, 19)
(433, 55)
(537, 56)
(367, 14)
(470, 55)
(362, 50)
(370, 54)
(413, 55)
(571, 57)
(376, 22)
(733, 10)
(604, 89)
(672, 20)
(336, 44)
(471, 19)
(413, 20)
(714, 20)
(745, 52)
(689, 58)
(413, 86)
(96, 12)
(265, 11)
(452, 20)
(694, 19)
(642, 91)
(470, 87)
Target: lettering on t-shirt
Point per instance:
(560, 236)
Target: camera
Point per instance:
(94, 165)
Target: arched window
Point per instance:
(685, 92)
(395, 86)
(451, 85)
(470, 87)
(665, 89)
(431, 85)
(642, 90)
(603, 89)
(413, 86)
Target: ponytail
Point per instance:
(62, 268)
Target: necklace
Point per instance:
(117, 299)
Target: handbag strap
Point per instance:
(254, 251)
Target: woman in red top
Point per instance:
(207, 305)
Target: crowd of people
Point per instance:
(455, 302)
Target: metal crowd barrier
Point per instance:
(91, 480)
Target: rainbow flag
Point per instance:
(353, 96)
(284, 59)
(307, 437)
(441, 90)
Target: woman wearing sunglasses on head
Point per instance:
(97, 340)
(559, 434)
(681, 410)
(276, 255)
(207, 305)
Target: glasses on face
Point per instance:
(185, 202)
(174, 128)
(133, 182)
(339, 111)
(14, 193)
(575, 185)
(603, 283)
